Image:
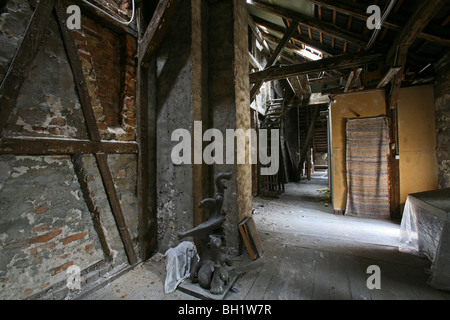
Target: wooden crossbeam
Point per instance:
(274, 57)
(258, 34)
(311, 22)
(156, 29)
(327, 64)
(18, 69)
(395, 22)
(398, 53)
(298, 37)
(55, 146)
(102, 161)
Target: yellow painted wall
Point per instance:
(365, 104)
(417, 140)
(418, 166)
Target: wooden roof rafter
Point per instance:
(313, 23)
(394, 22)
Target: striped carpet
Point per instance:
(366, 161)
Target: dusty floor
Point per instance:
(309, 253)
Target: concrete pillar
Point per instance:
(201, 75)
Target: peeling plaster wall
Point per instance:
(46, 225)
(173, 111)
(442, 112)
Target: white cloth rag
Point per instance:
(178, 264)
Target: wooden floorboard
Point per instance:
(339, 280)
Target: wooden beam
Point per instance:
(111, 192)
(274, 57)
(298, 37)
(388, 76)
(308, 139)
(77, 71)
(342, 61)
(253, 61)
(102, 161)
(156, 29)
(395, 22)
(349, 81)
(146, 235)
(397, 56)
(258, 34)
(418, 21)
(398, 53)
(311, 22)
(55, 146)
(80, 171)
(18, 69)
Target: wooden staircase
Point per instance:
(272, 185)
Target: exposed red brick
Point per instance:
(42, 286)
(121, 173)
(26, 293)
(73, 237)
(41, 210)
(89, 248)
(65, 256)
(61, 268)
(41, 228)
(37, 128)
(55, 130)
(58, 122)
(46, 237)
(48, 245)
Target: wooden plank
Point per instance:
(55, 146)
(261, 285)
(303, 264)
(357, 279)
(156, 29)
(254, 235)
(327, 64)
(339, 281)
(321, 290)
(248, 273)
(246, 238)
(18, 69)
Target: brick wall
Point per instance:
(108, 60)
(46, 225)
